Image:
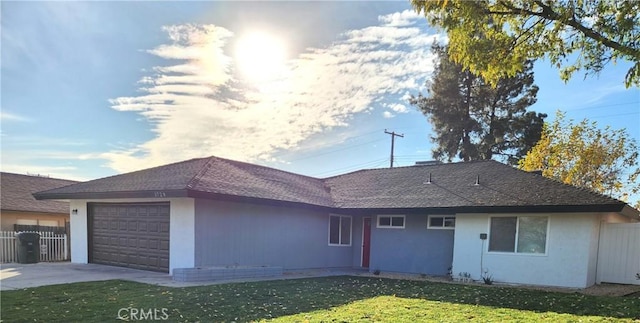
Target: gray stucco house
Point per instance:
(431, 219)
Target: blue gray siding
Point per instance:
(228, 233)
(414, 249)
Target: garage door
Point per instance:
(130, 235)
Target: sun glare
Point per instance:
(260, 56)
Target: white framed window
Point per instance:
(340, 230)
(441, 222)
(519, 234)
(391, 221)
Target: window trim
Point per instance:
(515, 248)
(339, 244)
(391, 216)
(443, 227)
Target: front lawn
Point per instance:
(342, 298)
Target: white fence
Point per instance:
(619, 253)
(53, 247)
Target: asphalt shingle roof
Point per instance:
(452, 186)
(16, 193)
(209, 175)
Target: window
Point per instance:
(441, 222)
(339, 230)
(391, 221)
(522, 234)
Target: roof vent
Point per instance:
(428, 180)
(428, 162)
(477, 180)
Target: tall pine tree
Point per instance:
(473, 120)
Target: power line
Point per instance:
(358, 166)
(335, 150)
(602, 106)
(614, 115)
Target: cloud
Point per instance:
(388, 114)
(398, 19)
(603, 92)
(399, 108)
(202, 106)
(5, 116)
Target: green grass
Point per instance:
(337, 299)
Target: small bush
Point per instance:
(376, 272)
(488, 279)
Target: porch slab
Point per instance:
(200, 274)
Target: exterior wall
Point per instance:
(181, 234)
(79, 232)
(181, 230)
(9, 218)
(615, 218)
(414, 249)
(569, 260)
(242, 234)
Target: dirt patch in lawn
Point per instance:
(613, 290)
(595, 290)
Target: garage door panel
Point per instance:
(130, 235)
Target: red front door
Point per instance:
(366, 241)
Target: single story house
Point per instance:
(19, 210)
(479, 218)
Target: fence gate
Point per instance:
(619, 253)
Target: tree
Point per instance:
(473, 120)
(583, 155)
(493, 38)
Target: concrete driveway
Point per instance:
(18, 276)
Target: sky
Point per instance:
(94, 89)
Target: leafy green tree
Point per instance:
(473, 120)
(583, 155)
(493, 38)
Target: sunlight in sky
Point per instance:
(260, 56)
(302, 86)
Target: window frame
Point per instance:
(515, 245)
(341, 217)
(444, 217)
(391, 216)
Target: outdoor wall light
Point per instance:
(74, 211)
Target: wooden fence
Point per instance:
(53, 247)
(619, 253)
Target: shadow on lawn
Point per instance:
(305, 295)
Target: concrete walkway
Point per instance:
(18, 276)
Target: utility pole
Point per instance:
(393, 139)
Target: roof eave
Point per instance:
(255, 200)
(619, 208)
(110, 195)
(630, 212)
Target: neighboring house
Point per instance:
(19, 210)
(473, 216)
